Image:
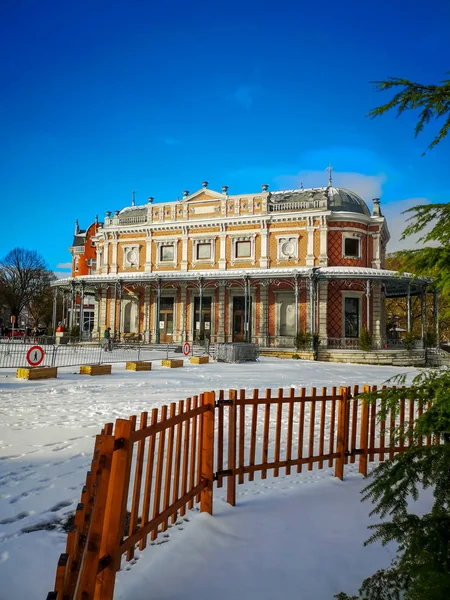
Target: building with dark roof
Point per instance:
(266, 267)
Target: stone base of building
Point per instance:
(397, 358)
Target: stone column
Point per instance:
(323, 313)
(148, 254)
(154, 325)
(146, 331)
(223, 248)
(408, 309)
(310, 243)
(114, 267)
(377, 316)
(184, 249)
(112, 312)
(221, 324)
(263, 315)
(102, 309)
(105, 261)
(264, 259)
(323, 258)
(183, 302)
(368, 304)
(376, 254)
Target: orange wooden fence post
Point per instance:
(116, 508)
(341, 436)
(88, 569)
(364, 436)
(231, 483)
(207, 472)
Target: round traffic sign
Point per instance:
(35, 356)
(186, 348)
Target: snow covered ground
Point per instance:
(284, 537)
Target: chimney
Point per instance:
(224, 189)
(205, 184)
(376, 212)
(265, 187)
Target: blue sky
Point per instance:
(99, 99)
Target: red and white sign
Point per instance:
(35, 356)
(186, 348)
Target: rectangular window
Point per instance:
(351, 247)
(243, 249)
(203, 251)
(167, 252)
(351, 317)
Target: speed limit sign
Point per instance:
(186, 348)
(35, 356)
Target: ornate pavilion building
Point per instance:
(259, 267)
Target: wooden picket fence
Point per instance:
(145, 474)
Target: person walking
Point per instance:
(108, 342)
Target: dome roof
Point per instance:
(340, 199)
(330, 198)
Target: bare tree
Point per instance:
(23, 279)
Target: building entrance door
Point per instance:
(166, 320)
(203, 329)
(239, 319)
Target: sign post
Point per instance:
(35, 356)
(13, 321)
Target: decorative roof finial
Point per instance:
(301, 185)
(96, 219)
(77, 229)
(186, 193)
(205, 184)
(330, 170)
(265, 187)
(133, 198)
(376, 207)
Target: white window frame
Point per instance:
(127, 250)
(353, 235)
(286, 239)
(167, 242)
(203, 261)
(243, 238)
(347, 294)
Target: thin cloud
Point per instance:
(366, 186)
(66, 265)
(243, 96)
(61, 274)
(397, 223)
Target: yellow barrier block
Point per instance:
(199, 360)
(139, 365)
(172, 363)
(95, 369)
(37, 372)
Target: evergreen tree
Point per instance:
(421, 568)
(432, 101)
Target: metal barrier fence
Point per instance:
(14, 354)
